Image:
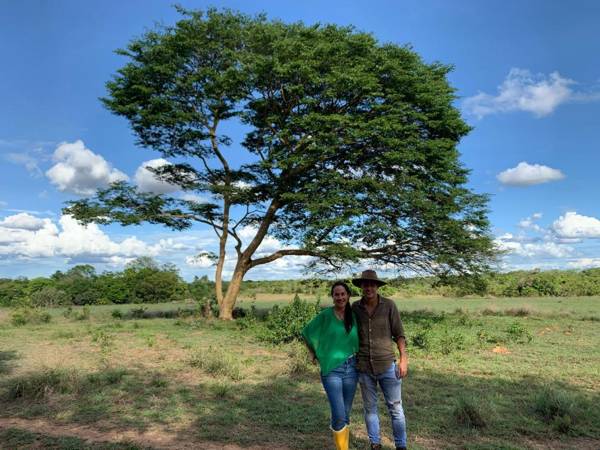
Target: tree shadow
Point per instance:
(292, 412)
(6, 361)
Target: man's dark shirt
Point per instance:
(376, 334)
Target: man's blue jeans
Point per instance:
(391, 386)
(340, 387)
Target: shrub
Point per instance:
(137, 313)
(518, 333)
(467, 413)
(422, 339)
(556, 408)
(83, 313)
(26, 315)
(451, 341)
(49, 296)
(285, 324)
(216, 362)
(116, 314)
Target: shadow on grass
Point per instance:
(6, 361)
(293, 412)
(16, 438)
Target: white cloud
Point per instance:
(515, 246)
(201, 262)
(523, 91)
(22, 221)
(576, 226)
(195, 198)
(584, 263)
(148, 182)
(529, 223)
(30, 162)
(526, 174)
(71, 240)
(81, 171)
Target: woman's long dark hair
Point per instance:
(348, 310)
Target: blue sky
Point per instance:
(527, 75)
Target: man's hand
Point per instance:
(402, 367)
(402, 362)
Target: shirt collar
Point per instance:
(362, 302)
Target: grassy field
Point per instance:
(484, 374)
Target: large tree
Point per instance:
(351, 146)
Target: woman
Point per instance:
(332, 339)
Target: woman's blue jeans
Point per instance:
(391, 386)
(340, 387)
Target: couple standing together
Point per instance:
(354, 343)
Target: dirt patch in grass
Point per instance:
(155, 438)
(501, 350)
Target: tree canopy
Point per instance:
(352, 144)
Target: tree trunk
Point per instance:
(226, 307)
(219, 271)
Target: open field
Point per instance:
(484, 374)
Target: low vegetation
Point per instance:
(522, 377)
(145, 281)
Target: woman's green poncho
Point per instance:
(327, 338)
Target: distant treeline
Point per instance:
(535, 283)
(142, 281)
(145, 281)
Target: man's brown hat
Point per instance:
(367, 275)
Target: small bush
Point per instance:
(556, 408)
(422, 339)
(467, 413)
(137, 313)
(451, 341)
(216, 362)
(285, 324)
(82, 314)
(26, 315)
(484, 336)
(249, 319)
(518, 333)
(116, 314)
(67, 313)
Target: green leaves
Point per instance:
(352, 143)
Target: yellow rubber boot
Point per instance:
(342, 438)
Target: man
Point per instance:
(379, 326)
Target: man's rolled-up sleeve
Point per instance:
(396, 323)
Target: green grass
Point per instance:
(15, 438)
(484, 374)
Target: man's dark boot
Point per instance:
(400, 448)
(375, 446)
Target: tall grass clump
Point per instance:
(27, 315)
(41, 384)
(467, 413)
(300, 361)
(285, 324)
(556, 408)
(214, 361)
